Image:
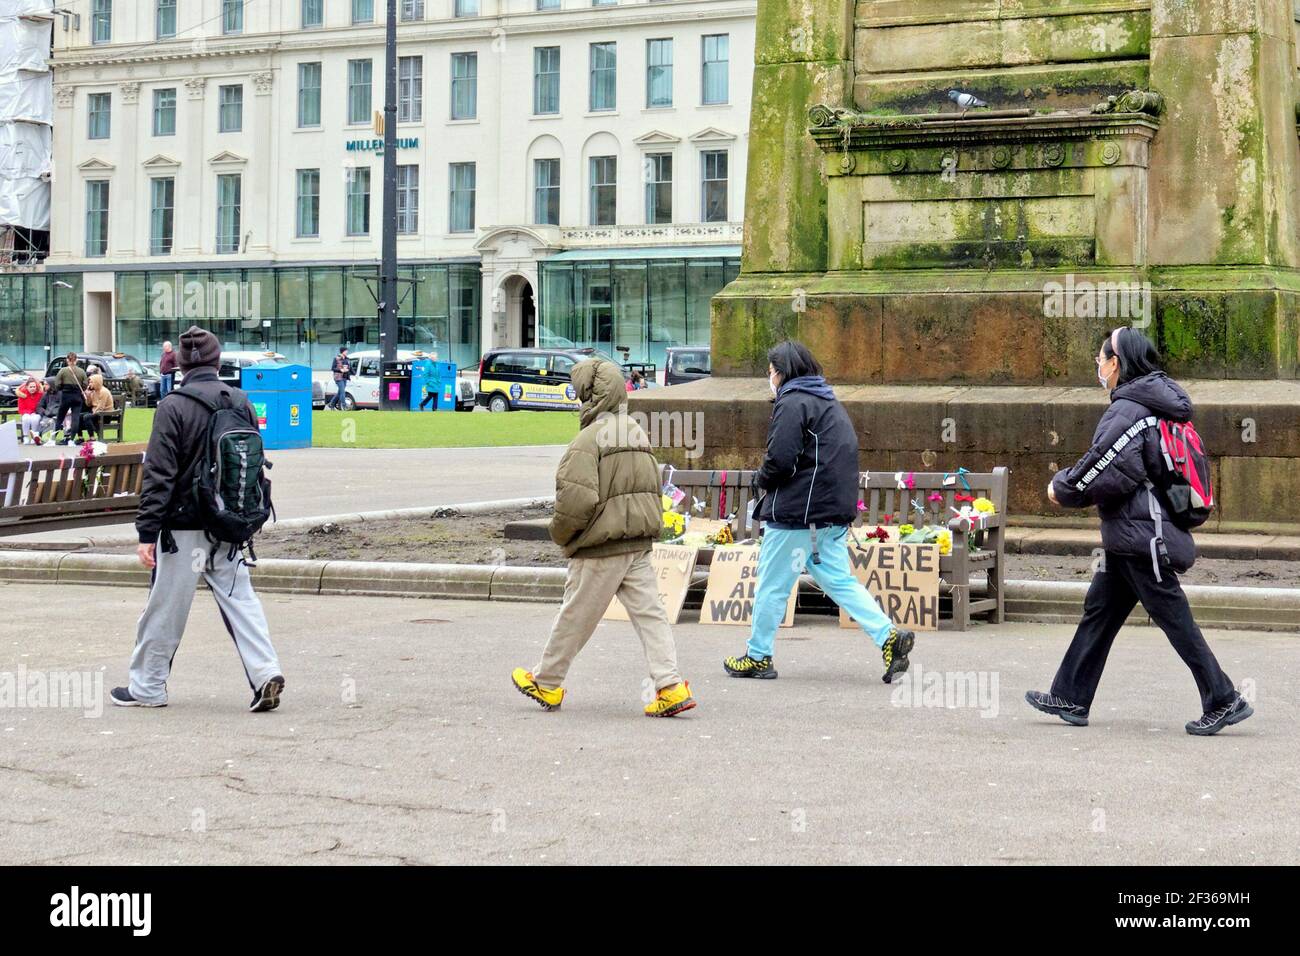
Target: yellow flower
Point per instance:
(667, 502)
(905, 530)
(945, 541)
(984, 506)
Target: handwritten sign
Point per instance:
(904, 578)
(673, 566)
(733, 582)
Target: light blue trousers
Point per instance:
(784, 556)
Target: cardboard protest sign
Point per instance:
(673, 566)
(903, 578)
(733, 582)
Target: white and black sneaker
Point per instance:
(1215, 720)
(267, 696)
(121, 696)
(1058, 707)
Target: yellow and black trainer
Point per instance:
(527, 685)
(671, 701)
(897, 646)
(759, 667)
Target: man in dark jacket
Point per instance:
(809, 480)
(342, 370)
(1122, 475)
(167, 517)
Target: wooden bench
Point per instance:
(881, 495)
(52, 495)
(114, 421)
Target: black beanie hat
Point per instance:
(198, 348)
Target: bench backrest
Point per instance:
(879, 492)
(69, 492)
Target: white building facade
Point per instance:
(569, 171)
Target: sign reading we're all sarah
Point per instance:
(903, 578)
(733, 582)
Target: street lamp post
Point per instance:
(388, 264)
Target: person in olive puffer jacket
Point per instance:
(607, 518)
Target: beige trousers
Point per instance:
(591, 584)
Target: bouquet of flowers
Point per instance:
(91, 479)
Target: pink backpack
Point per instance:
(1187, 488)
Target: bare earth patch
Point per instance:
(479, 539)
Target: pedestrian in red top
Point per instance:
(29, 396)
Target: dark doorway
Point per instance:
(527, 317)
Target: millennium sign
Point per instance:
(377, 145)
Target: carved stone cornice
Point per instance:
(65, 95)
(130, 92)
(194, 87)
(263, 80)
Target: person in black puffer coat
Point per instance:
(1122, 475)
(809, 486)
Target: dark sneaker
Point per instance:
(121, 696)
(267, 696)
(897, 646)
(759, 667)
(1215, 720)
(1058, 707)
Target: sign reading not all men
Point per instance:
(733, 581)
(904, 578)
(673, 565)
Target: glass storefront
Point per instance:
(645, 304)
(36, 310)
(305, 313)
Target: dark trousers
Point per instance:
(1115, 590)
(70, 400)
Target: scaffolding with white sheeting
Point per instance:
(26, 128)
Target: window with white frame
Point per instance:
(658, 73)
(461, 192)
(101, 21)
(360, 77)
(230, 187)
(603, 200)
(165, 19)
(363, 11)
(464, 86)
(546, 192)
(313, 14)
(546, 80)
(309, 77)
(99, 115)
(162, 215)
(230, 108)
(411, 10)
(465, 8)
(358, 201)
(604, 76)
(408, 200)
(410, 89)
(307, 201)
(164, 112)
(658, 188)
(716, 57)
(713, 185)
(232, 16)
(96, 218)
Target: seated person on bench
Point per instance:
(98, 400)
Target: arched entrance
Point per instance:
(521, 312)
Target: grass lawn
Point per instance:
(373, 429)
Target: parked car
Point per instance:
(11, 376)
(510, 379)
(686, 364)
(363, 388)
(124, 376)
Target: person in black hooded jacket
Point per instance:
(809, 485)
(1144, 550)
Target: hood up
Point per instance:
(1158, 392)
(600, 387)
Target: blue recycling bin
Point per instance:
(281, 397)
(433, 386)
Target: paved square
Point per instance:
(401, 740)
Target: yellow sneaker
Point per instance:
(671, 701)
(526, 685)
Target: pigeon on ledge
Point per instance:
(966, 101)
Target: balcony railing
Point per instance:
(676, 233)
